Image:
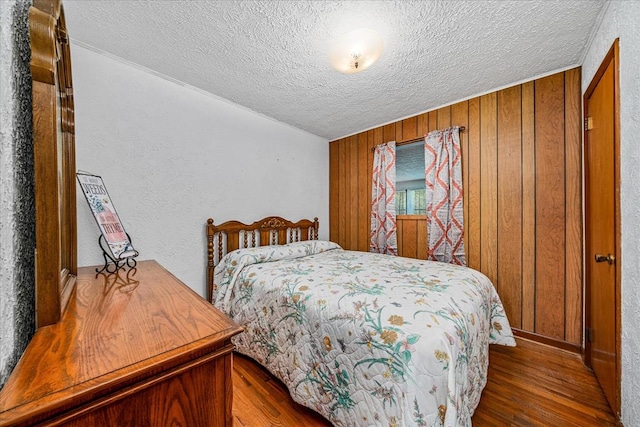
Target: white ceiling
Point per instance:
(272, 56)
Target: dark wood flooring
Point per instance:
(530, 385)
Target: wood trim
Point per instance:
(411, 217)
(42, 30)
(616, 55)
(52, 7)
(546, 340)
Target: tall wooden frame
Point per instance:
(54, 160)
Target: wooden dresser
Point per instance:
(140, 349)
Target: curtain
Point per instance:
(383, 200)
(443, 176)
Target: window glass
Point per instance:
(410, 186)
(401, 202)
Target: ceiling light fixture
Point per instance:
(356, 51)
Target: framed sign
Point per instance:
(104, 212)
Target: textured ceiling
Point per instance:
(272, 56)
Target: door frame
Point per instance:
(612, 55)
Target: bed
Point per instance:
(364, 339)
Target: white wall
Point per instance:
(621, 20)
(172, 156)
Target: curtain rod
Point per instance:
(411, 141)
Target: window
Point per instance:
(401, 202)
(410, 186)
(411, 202)
(419, 201)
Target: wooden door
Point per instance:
(602, 228)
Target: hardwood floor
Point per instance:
(530, 385)
(261, 400)
(538, 385)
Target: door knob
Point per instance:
(608, 258)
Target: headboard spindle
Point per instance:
(271, 230)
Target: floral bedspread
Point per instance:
(365, 339)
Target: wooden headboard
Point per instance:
(232, 235)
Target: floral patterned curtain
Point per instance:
(383, 200)
(443, 176)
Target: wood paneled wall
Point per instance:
(521, 158)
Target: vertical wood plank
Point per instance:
(398, 131)
(374, 135)
(550, 214)
(353, 192)
(510, 203)
(371, 143)
(389, 132)
(334, 179)
(460, 117)
(474, 235)
(573, 208)
(409, 128)
(400, 237)
(410, 233)
(363, 196)
(343, 211)
(421, 238)
(347, 191)
(444, 117)
(376, 139)
(423, 124)
(433, 120)
(489, 184)
(528, 208)
(510, 152)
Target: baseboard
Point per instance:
(548, 341)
